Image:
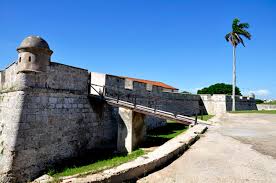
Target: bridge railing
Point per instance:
(138, 97)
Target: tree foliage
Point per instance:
(238, 31)
(259, 101)
(185, 92)
(219, 88)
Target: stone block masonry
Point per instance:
(127, 90)
(266, 107)
(49, 118)
(220, 103)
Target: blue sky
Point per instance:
(179, 42)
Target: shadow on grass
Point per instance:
(159, 136)
(106, 159)
(92, 164)
(255, 111)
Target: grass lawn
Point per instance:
(97, 166)
(159, 136)
(255, 111)
(270, 103)
(155, 137)
(171, 130)
(205, 117)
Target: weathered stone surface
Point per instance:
(144, 164)
(266, 107)
(128, 90)
(153, 122)
(219, 104)
(131, 130)
(46, 118)
(44, 179)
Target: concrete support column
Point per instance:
(131, 130)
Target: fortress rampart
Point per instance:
(145, 94)
(47, 116)
(219, 104)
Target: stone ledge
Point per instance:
(144, 164)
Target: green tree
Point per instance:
(259, 101)
(219, 88)
(235, 38)
(185, 92)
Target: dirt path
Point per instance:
(240, 149)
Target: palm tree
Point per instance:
(235, 38)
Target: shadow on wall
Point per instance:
(203, 110)
(122, 135)
(48, 137)
(98, 106)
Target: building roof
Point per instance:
(155, 83)
(34, 42)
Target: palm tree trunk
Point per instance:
(234, 80)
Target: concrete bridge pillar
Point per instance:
(131, 130)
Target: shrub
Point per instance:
(259, 101)
(219, 88)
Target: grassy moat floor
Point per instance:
(255, 111)
(104, 162)
(160, 135)
(205, 117)
(155, 138)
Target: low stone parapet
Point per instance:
(266, 107)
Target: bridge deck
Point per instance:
(148, 111)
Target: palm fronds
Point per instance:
(238, 31)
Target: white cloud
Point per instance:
(260, 92)
(193, 90)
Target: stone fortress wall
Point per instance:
(151, 96)
(266, 106)
(219, 103)
(47, 116)
(147, 95)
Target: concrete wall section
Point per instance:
(266, 107)
(214, 104)
(219, 104)
(97, 83)
(131, 130)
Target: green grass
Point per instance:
(171, 130)
(159, 136)
(97, 166)
(155, 137)
(255, 111)
(270, 103)
(205, 117)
